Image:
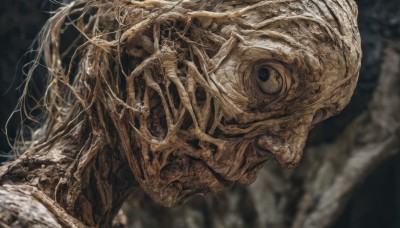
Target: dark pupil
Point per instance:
(263, 74)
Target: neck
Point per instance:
(90, 184)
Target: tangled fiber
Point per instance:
(194, 95)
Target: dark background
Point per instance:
(376, 203)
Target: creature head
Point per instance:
(200, 94)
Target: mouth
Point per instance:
(183, 175)
(222, 181)
(257, 156)
(243, 167)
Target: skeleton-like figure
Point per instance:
(190, 96)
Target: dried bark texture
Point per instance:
(314, 193)
(16, 206)
(26, 206)
(180, 98)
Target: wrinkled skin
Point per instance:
(197, 96)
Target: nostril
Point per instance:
(263, 142)
(319, 116)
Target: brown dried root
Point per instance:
(172, 86)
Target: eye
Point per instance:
(269, 80)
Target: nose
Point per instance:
(287, 146)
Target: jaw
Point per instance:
(184, 176)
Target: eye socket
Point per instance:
(269, 80)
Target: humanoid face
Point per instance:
(215, 89)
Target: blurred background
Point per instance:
(311, 195)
